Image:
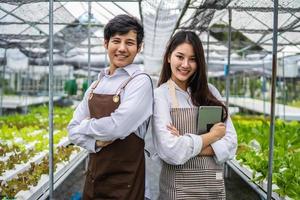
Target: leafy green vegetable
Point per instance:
(286, 162)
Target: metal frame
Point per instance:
(273, 100)
(227, 69)
(196, 24)
(51, 160)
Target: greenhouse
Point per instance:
(52, 51)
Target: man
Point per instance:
(112, 119)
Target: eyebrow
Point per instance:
(178, 52)
(131, 40)
(117, 38)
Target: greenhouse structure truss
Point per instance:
(60, 36)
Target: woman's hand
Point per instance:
(173, 130)
(102, 143)
(218, 130)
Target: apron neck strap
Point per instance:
(96, 83)
(172, 92)
(124, 84)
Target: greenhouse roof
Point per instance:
(24, 24)
(252, 18)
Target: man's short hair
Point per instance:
(122, 24)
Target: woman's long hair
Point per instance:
(200, 93)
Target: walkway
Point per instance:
(13, 102)
(281, 111)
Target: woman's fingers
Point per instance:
(173, 130)
(219, 129)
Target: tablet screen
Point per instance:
(207, 117)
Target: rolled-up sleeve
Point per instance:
(76, 137)
(226, 147)
(135, 108)
(172, 149)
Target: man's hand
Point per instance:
(102, 143)
(207, 151)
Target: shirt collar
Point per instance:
(129, 69)
(181, 90)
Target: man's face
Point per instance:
(121, 49)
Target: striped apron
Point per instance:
(200, 177)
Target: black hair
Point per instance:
(122, 24)
(200, 93)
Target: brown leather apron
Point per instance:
(117, 171)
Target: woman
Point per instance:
(192, 163)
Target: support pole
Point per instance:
(273, 100)
(27, 87)
(283, 86)
(227, 72)
(51, 163)
(228, 60)
(89, 43)
(264, 88)
(207, 51)
(2, 84)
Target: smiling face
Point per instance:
(183, 64)
(121, 49)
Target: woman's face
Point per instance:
(183, 64)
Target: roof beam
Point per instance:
(11, 11)
(46, 23)
(248, 8)
(84, 46)
(39, 45)
(245, 30)
(20, 2)
(19, 18)
(120, 7)
(181, 15)
(28, 37)
(22, 37)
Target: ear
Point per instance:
(140, 47)
(106, 44)
(169, 58)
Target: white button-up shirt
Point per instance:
(177, 150)
(131, 115)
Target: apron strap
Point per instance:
(152, 91)
(124, 84)
(172, 93)
(96, 84)
(122, 87)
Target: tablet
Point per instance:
(208, 116)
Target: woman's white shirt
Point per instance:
(178, 150)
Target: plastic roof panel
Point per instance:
(254, 3)
(8, 18)
(254, 18)
(12, 29)
(264, 3)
